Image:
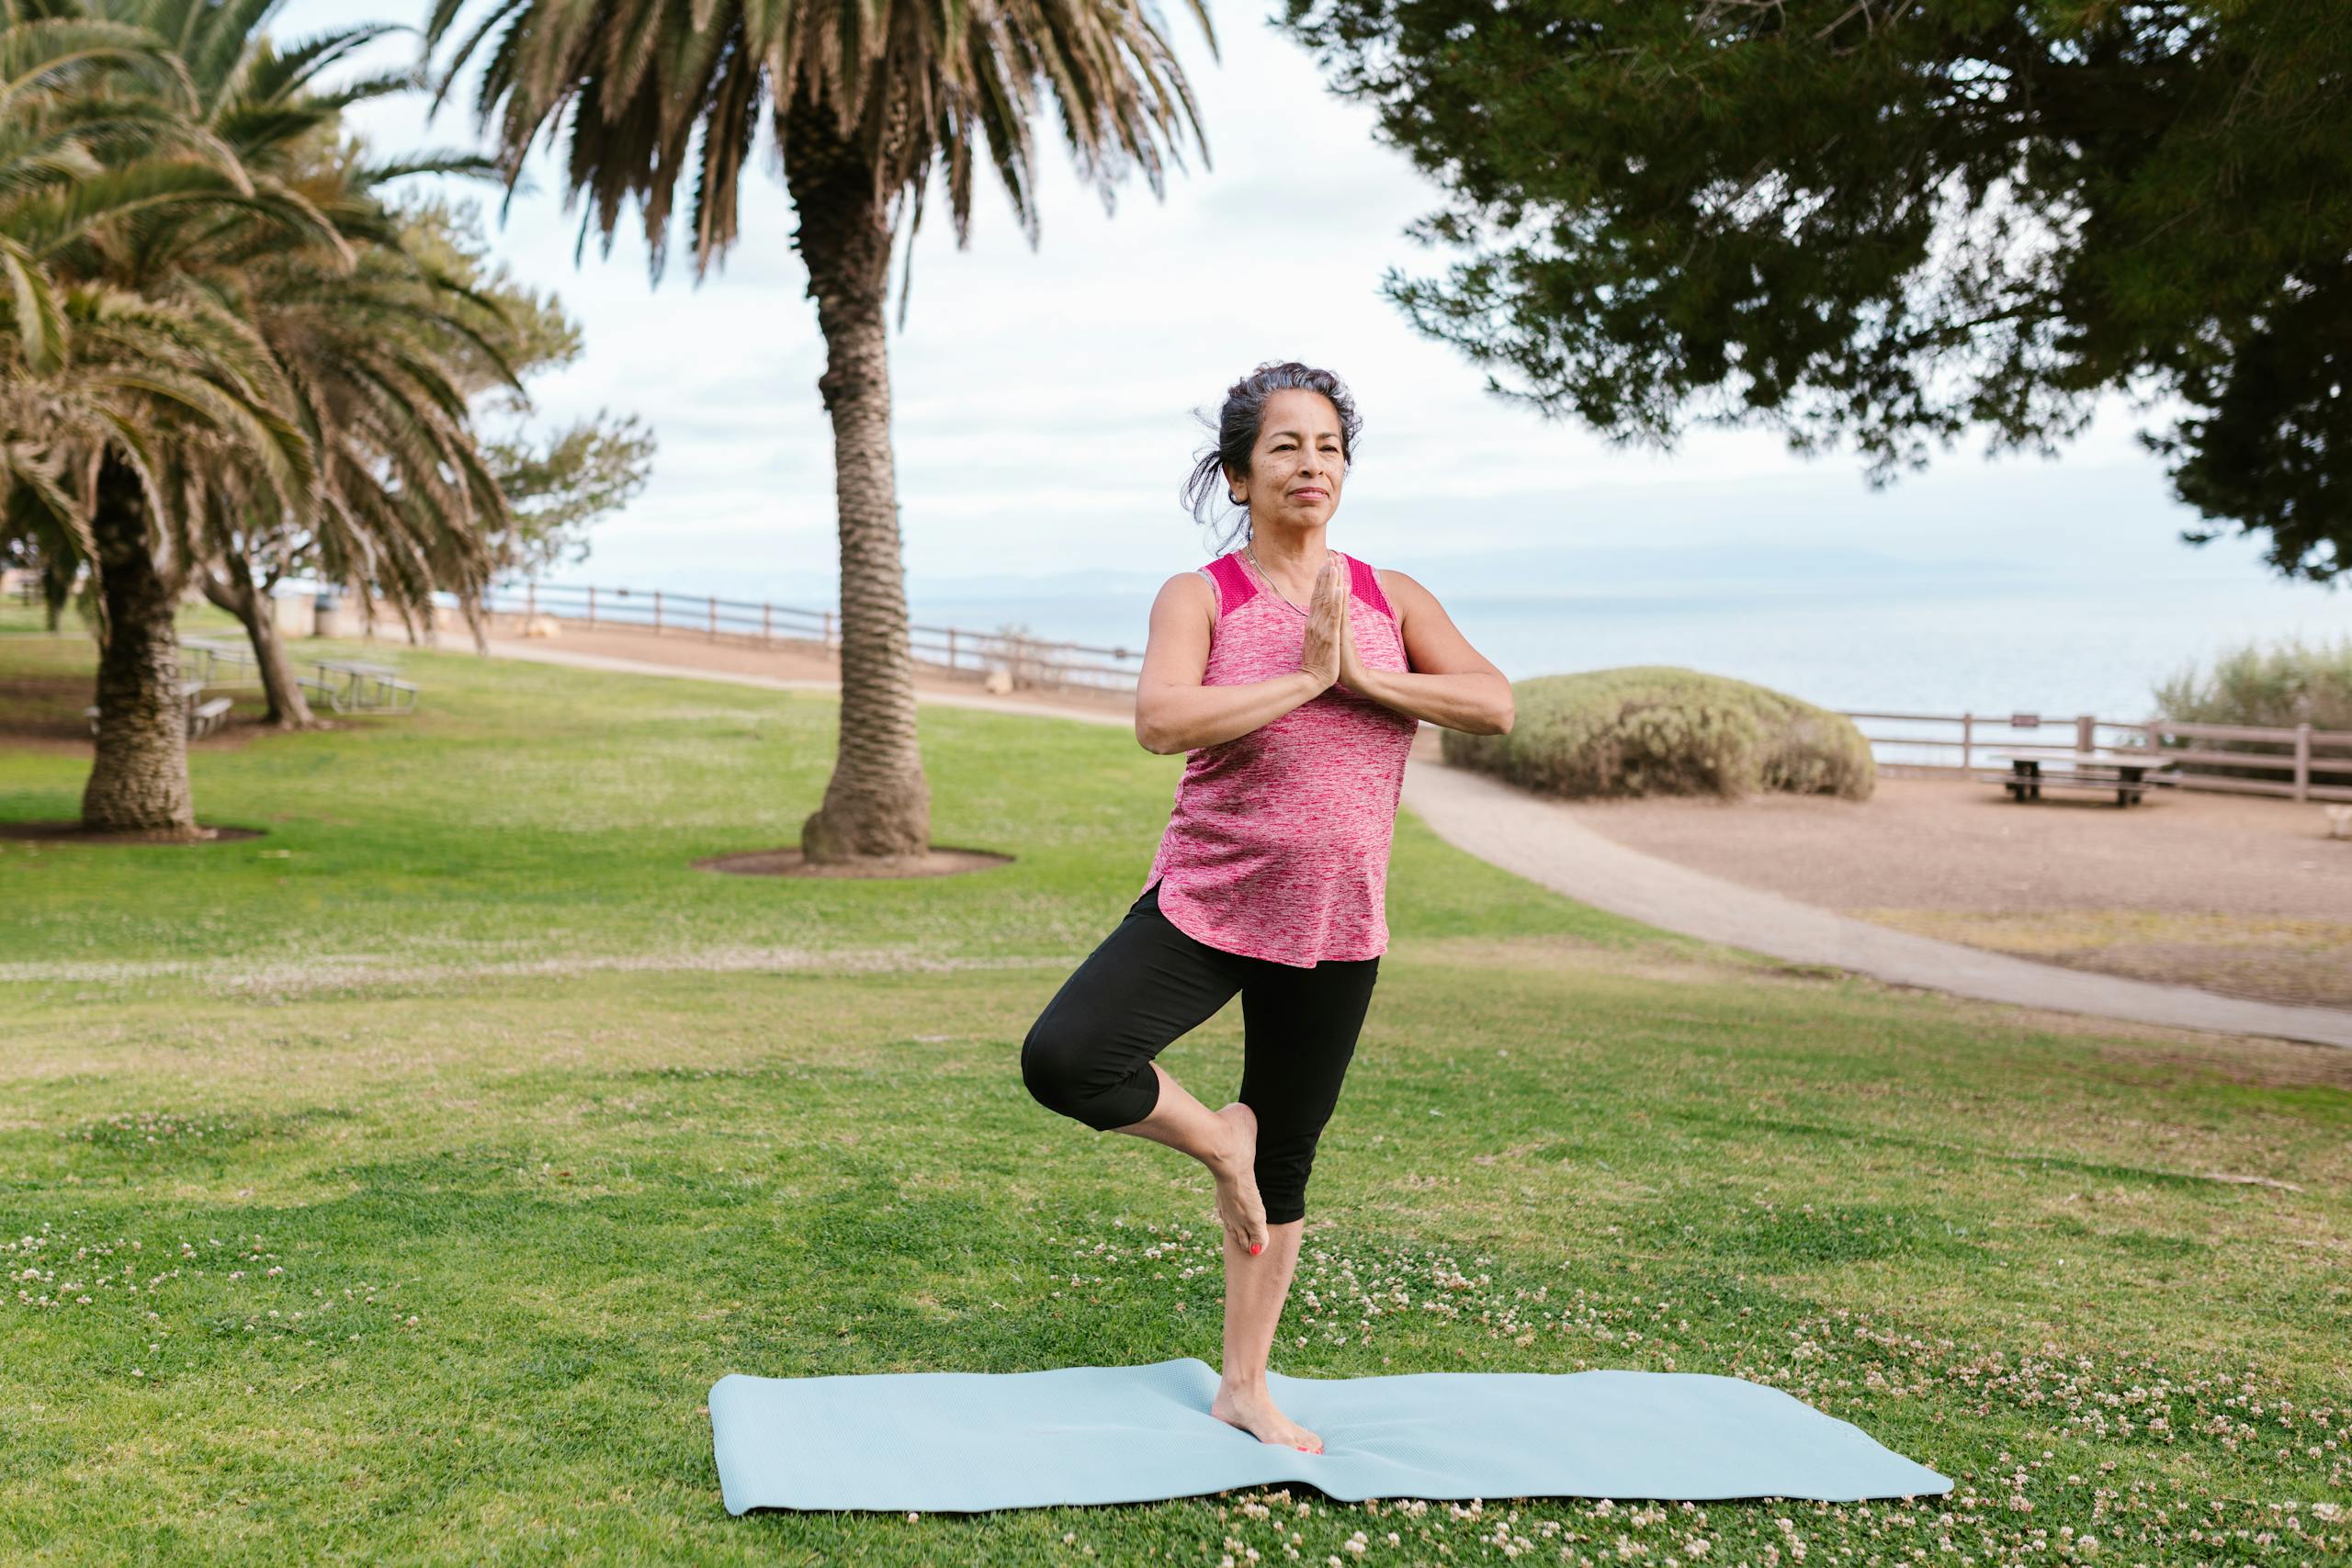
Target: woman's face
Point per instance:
(1296, 471)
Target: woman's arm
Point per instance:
(1450, 683)
(1173, 711)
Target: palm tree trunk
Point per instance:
(249, 602)
(139, 778)
(877, 803)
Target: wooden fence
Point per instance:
(2300, 763)
(1031, 661)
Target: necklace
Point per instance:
(1250, 551)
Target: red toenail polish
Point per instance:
(1257, 1249)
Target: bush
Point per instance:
(2277, 687)
(2284, 685)
(1657, 730)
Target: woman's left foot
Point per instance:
(1238, 1207)
(1254, 1412)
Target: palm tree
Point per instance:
(407, 500)
(121, 411)
(364, 331)
(433, 301)
(862, 98)
(338, 412)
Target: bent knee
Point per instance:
(1049, 1066)
(1071, 1072)
(1056, 1068)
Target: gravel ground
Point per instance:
(2244, 896)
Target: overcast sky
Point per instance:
(1043, 400)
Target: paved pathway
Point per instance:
(1542, 841)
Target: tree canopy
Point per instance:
(1894, 223)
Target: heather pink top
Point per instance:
(1278, 844)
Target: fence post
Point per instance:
(531, 599)
(767, 622)
(829, 629)
(2303, 761)
(2086, 733)
(951, 648)
(1967, 742)
(657, 611)
(592, 609)
(714, 618)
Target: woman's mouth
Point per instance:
(1308, 495)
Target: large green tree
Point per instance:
(127, 410)
(1896, 223)
(863, 99)
(236, 337)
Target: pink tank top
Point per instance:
(1278, 844)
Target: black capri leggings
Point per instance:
(1089, 1054)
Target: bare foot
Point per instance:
(1239, 1206)
(1253, 1411)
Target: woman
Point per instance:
(1294, 677)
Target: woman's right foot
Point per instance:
(1253, 1411)
(1239, 1206)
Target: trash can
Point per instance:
(296, 613)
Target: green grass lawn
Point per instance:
(393, 1186)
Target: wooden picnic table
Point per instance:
(357, 684)
(208, 654)
(2122, 769)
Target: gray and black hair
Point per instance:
(1237, 425)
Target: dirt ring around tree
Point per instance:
(74, 833)
(940, 859)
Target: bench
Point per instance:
(400, 695)
(203, 718)
(353, 685)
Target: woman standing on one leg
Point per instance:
(1294, 677)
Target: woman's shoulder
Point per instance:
(1223, 585)
(1400, 589)
(1190, 594)
(1200, 580)
(1391, 589)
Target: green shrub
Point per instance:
(1655, 729)
(2284, 685)
(2279, 686)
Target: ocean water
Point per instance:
(1985, 648)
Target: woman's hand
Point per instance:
(1327, 625)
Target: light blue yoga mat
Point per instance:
(968, 1441)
